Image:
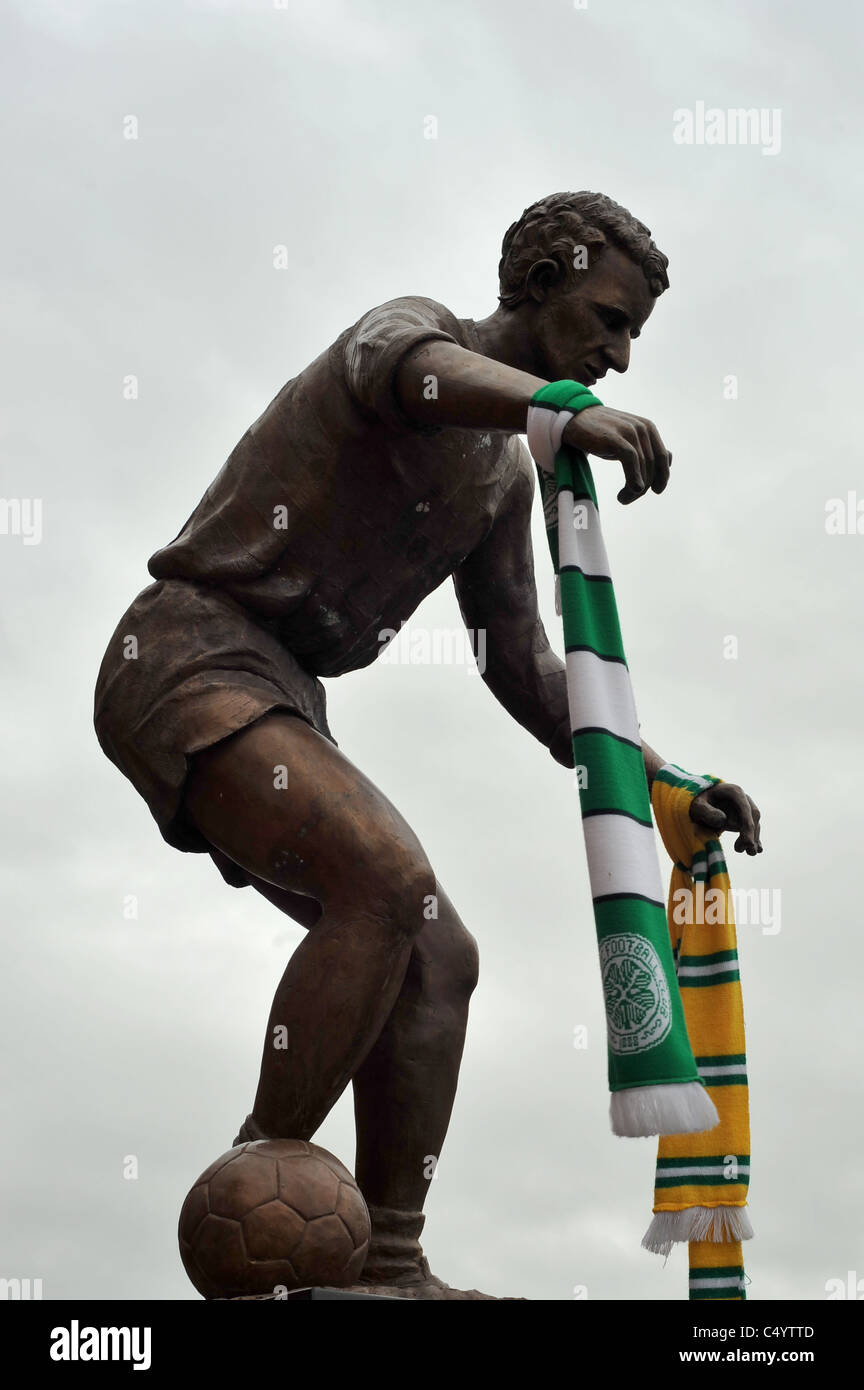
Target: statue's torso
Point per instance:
(332, 523)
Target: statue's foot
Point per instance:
(250, 1130)
(396, 1266)
(426, 1285)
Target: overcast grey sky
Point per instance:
(304, 125)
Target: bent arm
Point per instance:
(497, 595)
(466, 389)
(653, 762)
(498, 599)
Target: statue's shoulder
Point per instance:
(407, 311)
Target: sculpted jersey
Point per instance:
(335, 516)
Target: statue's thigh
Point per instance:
(286, 805)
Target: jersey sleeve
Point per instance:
(376, 345)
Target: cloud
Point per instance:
(154, 257)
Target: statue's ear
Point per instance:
(541, 278)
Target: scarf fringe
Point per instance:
(717, 1224)
(677, 1108)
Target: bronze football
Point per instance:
(272, 1216)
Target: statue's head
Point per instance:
(582, 274)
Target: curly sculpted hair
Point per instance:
(552, 229)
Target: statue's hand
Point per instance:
(633, 440)
(727, 807)
(561, 746)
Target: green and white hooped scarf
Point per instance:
(653, 1077)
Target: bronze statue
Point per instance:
(390, 463)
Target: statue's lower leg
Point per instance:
(403, 1098)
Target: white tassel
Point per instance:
(696, 1223)
(679, 1108)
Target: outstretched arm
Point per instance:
(476, 392)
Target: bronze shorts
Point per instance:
(185, 667)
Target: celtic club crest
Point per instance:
(638, 1007)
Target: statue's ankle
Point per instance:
(250, 1131)
(395, 1253)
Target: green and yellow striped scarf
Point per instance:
(658, 1086)
(702, 1180)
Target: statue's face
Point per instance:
(585, 330)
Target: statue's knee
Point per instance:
(449, 960)
(456, 966)
(467, 963)
(400, 890)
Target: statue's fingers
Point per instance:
(740, 818)
(757, 823)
